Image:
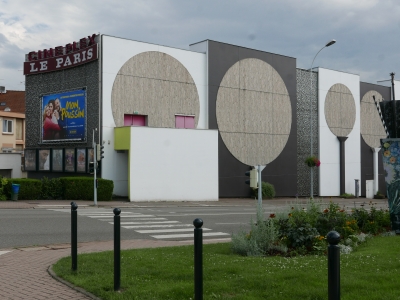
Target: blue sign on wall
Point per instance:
(64, 116)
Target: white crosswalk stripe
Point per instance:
(144, 223)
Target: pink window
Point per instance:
(127, 120)
(184, 121)
(134, 120)
(179, 121)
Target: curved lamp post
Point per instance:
(330, 43)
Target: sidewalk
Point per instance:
(24, 271)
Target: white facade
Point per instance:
(329, 172)
(173, 164)
(115, 53)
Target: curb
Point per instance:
(70, 285)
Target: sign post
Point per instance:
(95, 170)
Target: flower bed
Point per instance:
(301, 229)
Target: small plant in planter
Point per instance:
(379, 195)
(312, 161)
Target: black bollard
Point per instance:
(74, 235)
(198, 259)
(117, 249)
(333, 238)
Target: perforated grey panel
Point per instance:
(253, 111)
(307, 103)
(157, 85)
(372, 129)
(340, 110)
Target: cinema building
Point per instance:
(187, 124)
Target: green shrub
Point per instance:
(81, 188)
(51, 188)
(347, 196)
(268, 191)
(379, 195)
(3, 183)
(29, 189)
(261, 240)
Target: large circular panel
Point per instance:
(340, 110)
(372, 130)
(254, 112)
(156, 85)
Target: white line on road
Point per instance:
(168, 230)
(173, 236)
(4, 252)
(138, 223)
(196, 214)
(126, 216)
(136, 219)
(157, 226)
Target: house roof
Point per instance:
(15, 100)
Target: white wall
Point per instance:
(173, 164)
(115, 52)
(11, 161)
(396, 90)
(329, 152)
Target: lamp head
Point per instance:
(330, 43)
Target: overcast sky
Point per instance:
(367, 31)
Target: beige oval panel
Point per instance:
(254, 112)
(372, 129)
(157, 85)
(340, 110)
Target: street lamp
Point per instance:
(330, 43)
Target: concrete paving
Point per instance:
(24, 272)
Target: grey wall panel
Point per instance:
(282, 172)
(84, 76)
(367, 172)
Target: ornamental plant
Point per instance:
(300, 229)
(312, 161)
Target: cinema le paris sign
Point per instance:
(61, 57)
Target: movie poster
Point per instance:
(30, 159)
(57, 160)
(64, 116)
(81, 160)
(69, 160)
(44, 160)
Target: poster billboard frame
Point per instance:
(58, 94)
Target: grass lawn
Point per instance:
(371, 272)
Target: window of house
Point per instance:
(182, 121)
(19, 129)
(135, 120)
(7, 126)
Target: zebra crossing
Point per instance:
(156, 227)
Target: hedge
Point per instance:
(81, 188)
(29, 189)
(69, 188)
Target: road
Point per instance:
(22, 227)
(51, 224)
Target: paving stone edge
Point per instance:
(70, 285)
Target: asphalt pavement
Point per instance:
(26, 272)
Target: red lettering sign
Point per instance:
(56, 63)
(60, 50)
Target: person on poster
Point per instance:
(44, 160)
(57, 163)
(50, 127)
(59, 117)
